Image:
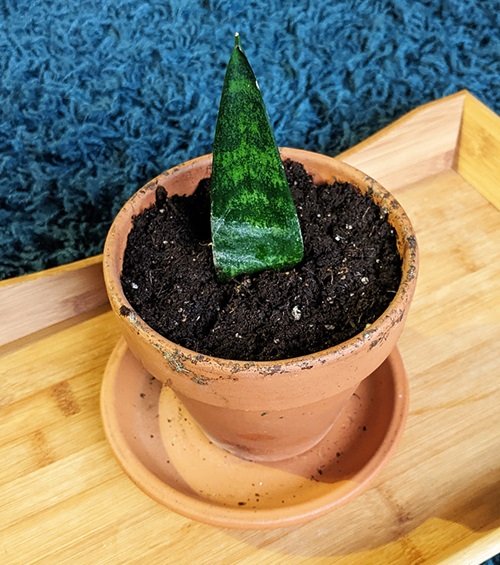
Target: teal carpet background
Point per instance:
(96, 97)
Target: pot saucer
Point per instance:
(165, 453)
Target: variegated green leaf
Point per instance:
(253, 217)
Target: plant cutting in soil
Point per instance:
(348, 274)
(253, 217)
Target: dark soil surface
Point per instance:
(350, 272)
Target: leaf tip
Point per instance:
(237, 42)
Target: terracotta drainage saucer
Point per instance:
(164, 452)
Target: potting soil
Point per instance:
(350, 272)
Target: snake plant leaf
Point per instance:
(253, 217)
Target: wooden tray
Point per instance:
(64, 498)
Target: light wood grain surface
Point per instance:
(63, 497)
(50, 297)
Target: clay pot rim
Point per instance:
(406, 243)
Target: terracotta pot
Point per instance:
(263, 410)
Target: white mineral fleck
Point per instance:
(296, 313)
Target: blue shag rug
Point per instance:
(98, 96)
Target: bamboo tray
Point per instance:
(63, 497)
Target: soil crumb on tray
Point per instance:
(350, 273)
